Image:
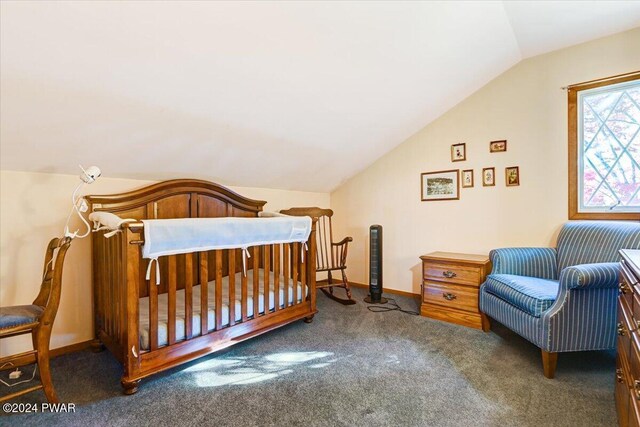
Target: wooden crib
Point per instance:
(149, 327)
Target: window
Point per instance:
(604, 148)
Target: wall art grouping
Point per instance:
(445, 185)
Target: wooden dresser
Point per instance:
(450, 285)
(628, 360)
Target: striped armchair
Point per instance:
(564, 298)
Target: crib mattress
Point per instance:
(163, 305)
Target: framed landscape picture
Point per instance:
(489, 177)
(458, 152)
(498, 146)
(467, 178)
(512, 176)
(440, 185)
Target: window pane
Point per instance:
(610, 148)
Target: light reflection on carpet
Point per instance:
(254, 369)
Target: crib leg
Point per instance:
(97, 346)
(308, 319)
(129, 387)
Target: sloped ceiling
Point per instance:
(290, 95)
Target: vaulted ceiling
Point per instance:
(291, 95)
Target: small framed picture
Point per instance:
(440, 185)
(488, 177)
(467, 178)
(498, 146)
(512, 176)
(458, 152)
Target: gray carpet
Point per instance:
(349, 367)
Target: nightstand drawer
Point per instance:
(452, 273)
(450, 283)
(453, 296)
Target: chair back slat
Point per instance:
(51, 286)
(330, 255)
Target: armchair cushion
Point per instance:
(591, 276)
(534, 262)
(530, 294)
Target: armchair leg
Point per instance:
(486, 323)
(549, 363)
(330, 282)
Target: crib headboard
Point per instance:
(178, 198)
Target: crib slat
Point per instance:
(285, 263)
(276, 276)
(267, 277)
(188, 295)
(204, 293)
(101, 268)
(172, 273)
(111, 287)
(153, 310)
(232, 286)
(218, 289)
(303, 275)
(122, 267)
(294, 273)
(244, 297)
(256, 281)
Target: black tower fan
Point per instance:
(375, 266)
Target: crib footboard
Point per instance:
(204, 301)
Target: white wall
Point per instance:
(33, 209)
(526, 106)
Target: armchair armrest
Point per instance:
(343, 241)
(590, 276)
(532, 262)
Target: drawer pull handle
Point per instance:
(619, 375)
(621, 330)
(449, 296)
(636, 388)
(449, 274)
(623, 288)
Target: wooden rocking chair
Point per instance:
(330, 256)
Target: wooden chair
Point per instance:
(37, 319)
(330, 256)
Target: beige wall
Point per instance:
(33, 209)
(526, 106)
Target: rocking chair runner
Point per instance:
(37, 319)
(330, 256)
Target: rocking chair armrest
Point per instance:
(343, 241)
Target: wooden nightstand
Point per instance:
(450, 284)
